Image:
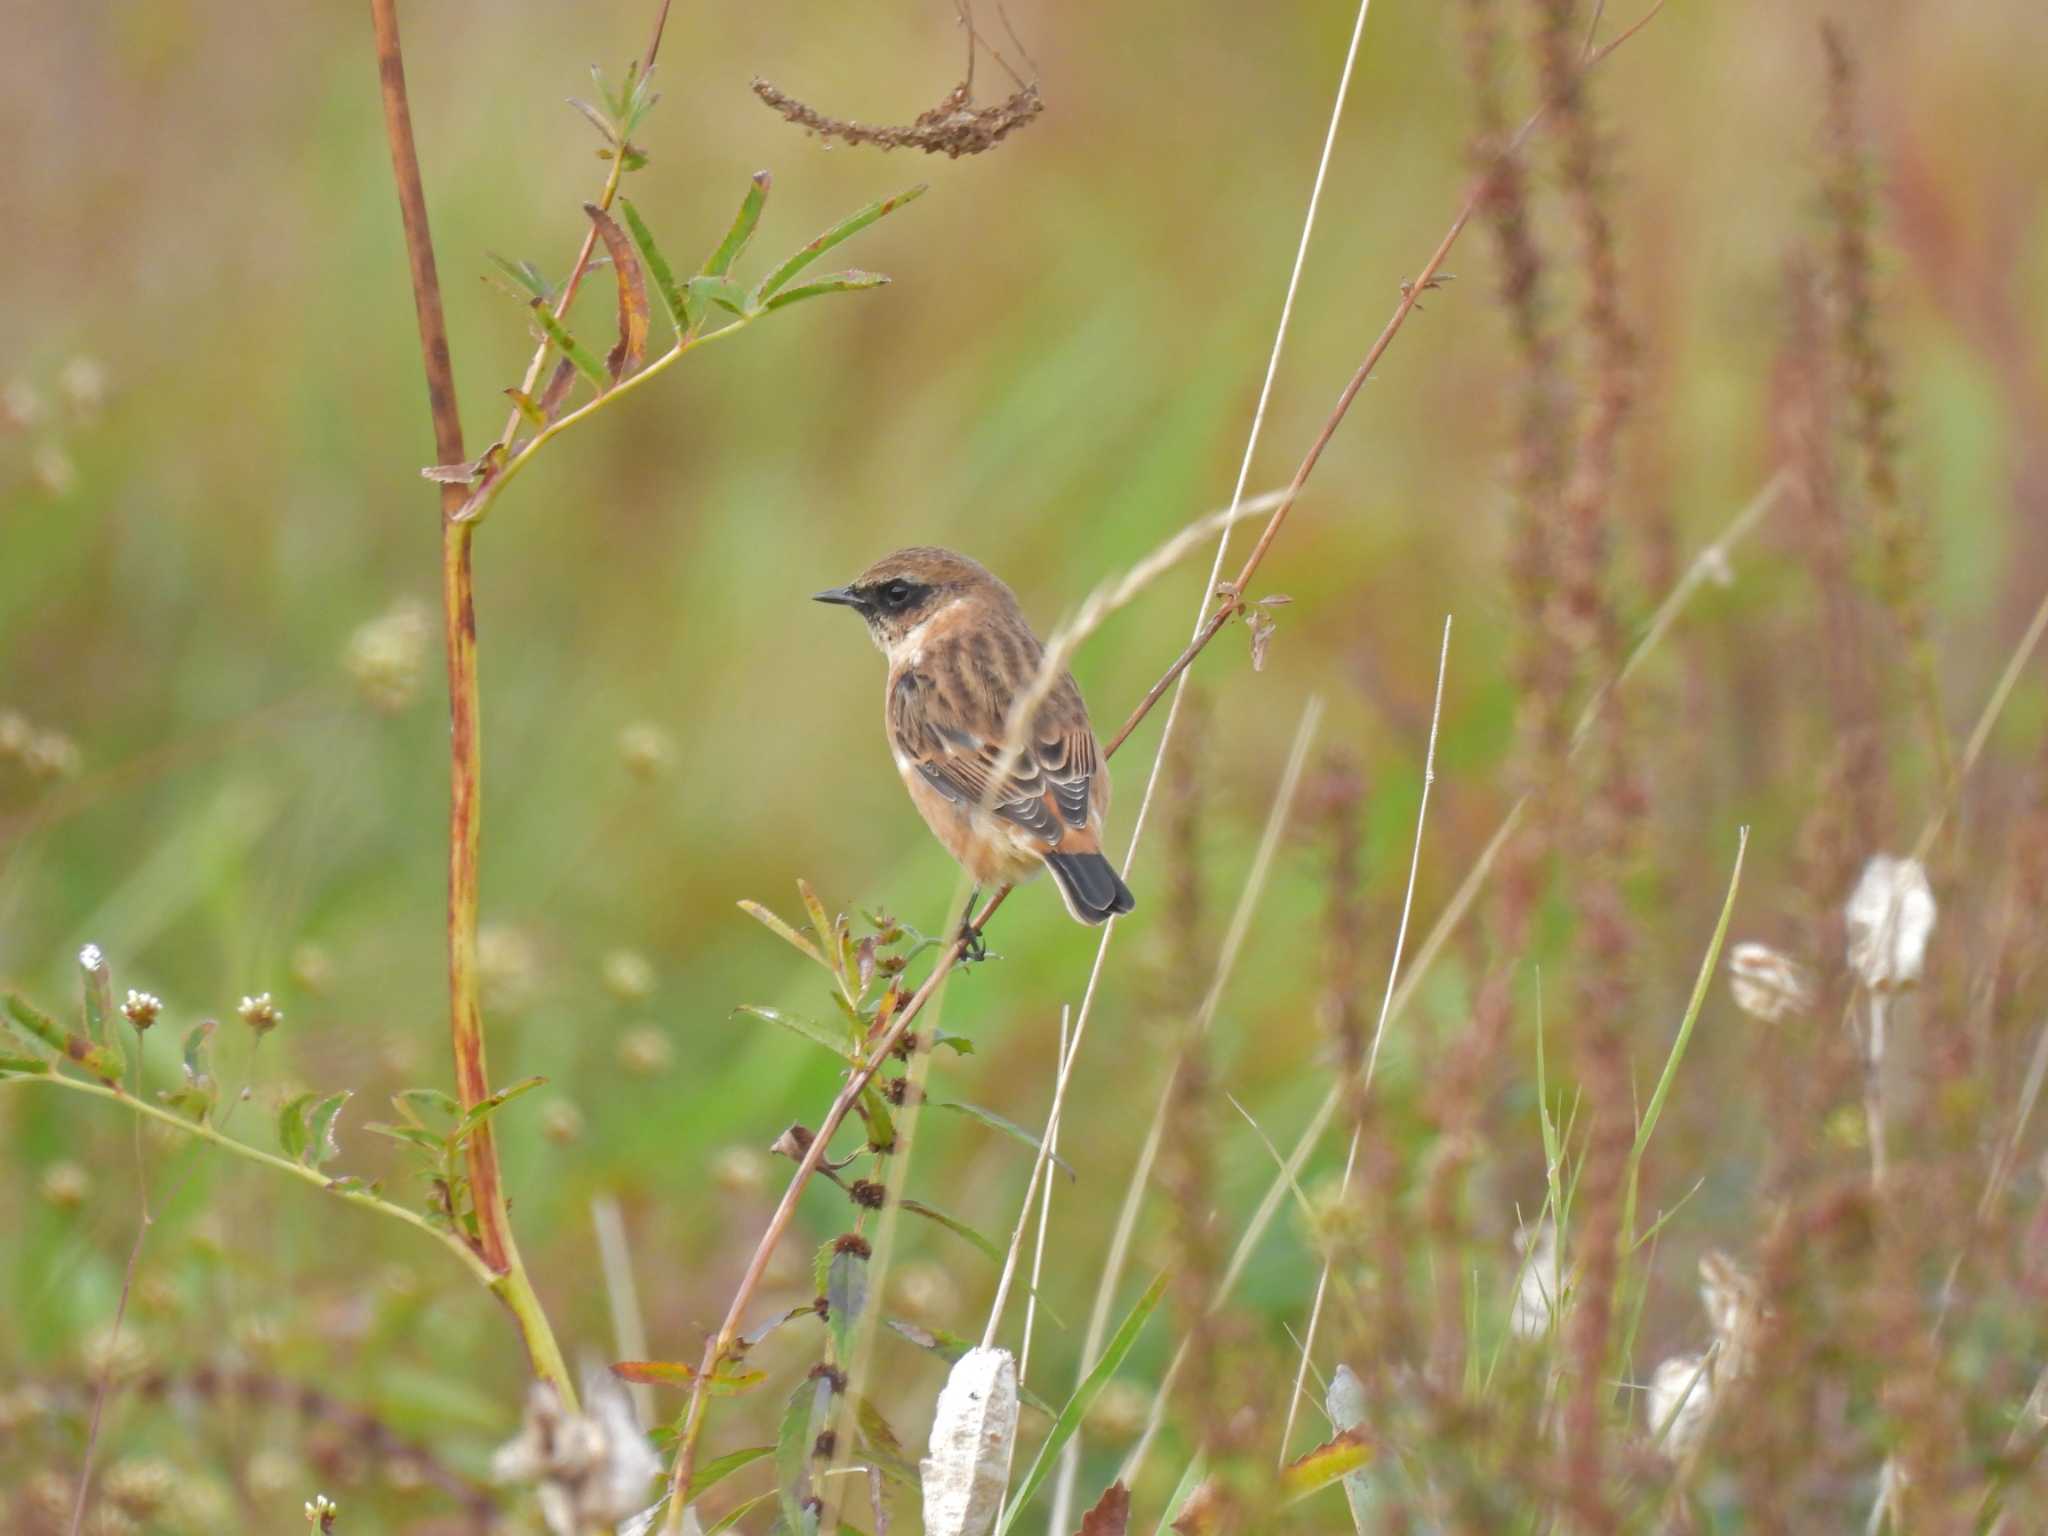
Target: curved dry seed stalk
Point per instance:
(953, 128)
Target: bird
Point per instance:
(960, 651)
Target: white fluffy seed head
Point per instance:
(1681, 1393)
(1890, 917)
(1768, 985)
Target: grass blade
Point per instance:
(839, 233)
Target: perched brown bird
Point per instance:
(959, 653)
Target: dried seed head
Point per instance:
(260, 1013)
(590, 1470)
(646, 750)
(645, 1051)
(1768, 985)
(141, 1486)
(1890, 917)
(793, 1143)
(1540, 1290)
(142, 1008)
(974, 1434)
(868, 1194)
(387, 656)
(1680, 1396)
(66, 1185)
(628, 976)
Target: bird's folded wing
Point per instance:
(1049, 786)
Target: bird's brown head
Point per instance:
(901, 591)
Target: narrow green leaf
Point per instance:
(793, 1454)
(712, 1473)
(1084, 1397)
(426, 1141)
(996, 1122)
(35, 1021)
(320, 1117)
(734, 1516)
(1190, 1480)
(291, 1126)
(528, 407)
(882, 1446)
(845, 229)
(821, 1264)
(881, 1124)
(595, 118)
(722, 291)
(586, 365)
(823, 926)
(846, 1294)
(23, 1066)
(742, 230)
(1333, 1459)
(673, 298)
(955, 1225)
(817, 1034)
(782, 930)
(839, 282)
(525, 274)
(949, 1347)
(496, 1102)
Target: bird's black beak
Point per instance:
(846, 597)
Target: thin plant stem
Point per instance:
(495, 1243)
(1205, 1018)
(1315, 1313)
(1052, 1143)
(622, 1296)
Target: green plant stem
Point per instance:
(471, 1260)
(498, 1251)
(478, 503)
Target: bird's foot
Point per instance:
(973, 949)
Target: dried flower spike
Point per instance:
(142, 1008)
(260, 1013)
(1890, 917)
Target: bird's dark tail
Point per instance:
(1089, 885)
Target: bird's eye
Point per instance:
(896, 594)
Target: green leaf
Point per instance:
(850, 281)
(1084, 1397)
(674, 1373)
(817, 1034)
(35, 1021)
(881, 1124)
(882, 1447)
(960, 1045)
(793, 1442)
(712, 1473)
(22, 1066)
(413, 1135)
(846, 1295)
(949, 1347)
(826, 930)
(1333, 1459)
(1190, 1480)
(586, 365)
(783, 931)
(955, 1225)
(845, 229)
(526, 275)
(417, 1103)
(494, 1103)
(320, 1143)
(528, 407)
(996, 1122)
(673, 298)
(722, 291)
(291, 1127)
(742, 229)
(739, 1513)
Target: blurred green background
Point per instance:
(208, 488)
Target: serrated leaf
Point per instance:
(742, 230)
(572, 349)
(1111, 1515)
(850, 281)
(1319, 1468)
(782, 930)
(844, 230)
(497, 1101)
(846, 1296)
(817, 1034)
(673, 299)
(1084, 1397)
(631, 349)
(996, 1122)
(955, 1225)
(320, 1118)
